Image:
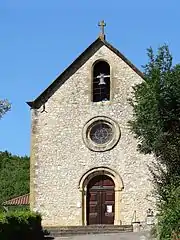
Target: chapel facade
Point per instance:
(85, 167)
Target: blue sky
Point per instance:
(40, 38)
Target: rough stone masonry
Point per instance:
(61, 161)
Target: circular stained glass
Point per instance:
(101, 133)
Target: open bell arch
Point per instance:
(101, 81)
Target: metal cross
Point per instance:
(102, 24)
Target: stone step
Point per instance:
(91, 229)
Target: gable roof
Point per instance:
(90, 51)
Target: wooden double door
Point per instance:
(100, 200)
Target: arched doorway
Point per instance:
(100, 200)
(85, 182)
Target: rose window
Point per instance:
(101, 133)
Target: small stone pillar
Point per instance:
(150, 217)
(136, 226)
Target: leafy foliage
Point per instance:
(21, 225)
(156, 125)
(14, 176)
(169, 219)
(4, 107)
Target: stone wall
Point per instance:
(59, 156)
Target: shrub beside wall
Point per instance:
(169, 219)
(21, 225)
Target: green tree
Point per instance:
(14, 176)
(4, 107)
(156, 120)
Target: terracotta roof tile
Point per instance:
(17, 201)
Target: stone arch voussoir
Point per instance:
(101, 170)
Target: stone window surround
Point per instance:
(98, 89)
(101, 147)
(91, 82)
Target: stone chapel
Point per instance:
(85, 167)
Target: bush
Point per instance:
(21, 225)
(169, 219)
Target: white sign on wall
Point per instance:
(109, 209)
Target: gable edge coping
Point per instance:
(72, 68)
